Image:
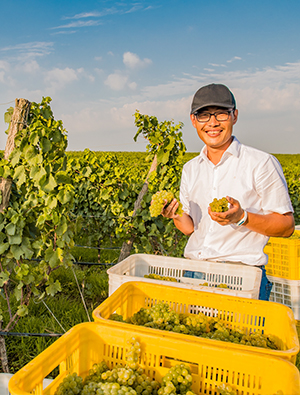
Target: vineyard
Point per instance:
(87, 207)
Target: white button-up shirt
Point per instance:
(252, 177)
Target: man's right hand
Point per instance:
(169, 210)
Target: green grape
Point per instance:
(178, 380)
(222, 286)
(158, 202)
(295, 235)
(71, 385)
(154, 276)
(219, 205)
(161, 316)
(116, 317)
(225, 389)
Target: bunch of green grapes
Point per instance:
(295, 235)
(161, 316)
(225, 389)
(71, 385)
(158, 202)
(158, 277)
(219, 205)
(127, 380)
(218, 286)
(120, 380)
(178, 380)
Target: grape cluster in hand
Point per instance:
(219, 205)
(158, 202)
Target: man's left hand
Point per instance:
(231, 216)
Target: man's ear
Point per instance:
(235, 116)
(193, 119)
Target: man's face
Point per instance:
(215, 134)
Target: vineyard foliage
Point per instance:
(36, 230)
(56, 193)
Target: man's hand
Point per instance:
(231, 216)
(169, 210)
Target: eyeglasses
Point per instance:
(221, 116)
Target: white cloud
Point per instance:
(217, 65)
(233, 59)
(2, 76)
(64, 32)
(132, 61)
(36, 48)
(78, 24)
(116, 81)
(132, 85)
(30, 67)
(58, 78)
(4, 65)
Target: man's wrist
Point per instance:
(243, 220)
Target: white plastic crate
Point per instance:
(242, 280)
(286, 292)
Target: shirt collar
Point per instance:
(233, 149)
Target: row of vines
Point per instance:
(57, 196)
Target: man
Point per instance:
(251, 180)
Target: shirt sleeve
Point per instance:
(272, 187)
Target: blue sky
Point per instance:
(100, 61)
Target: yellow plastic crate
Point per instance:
(284, 257)
(246, 314)
(89, 343)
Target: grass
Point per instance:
(67, 308)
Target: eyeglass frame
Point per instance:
(214, 114)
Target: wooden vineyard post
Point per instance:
(18, 122)
(127, 245)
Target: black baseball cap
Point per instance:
(212, 95)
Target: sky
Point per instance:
(100, 61)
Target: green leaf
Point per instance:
(22, 310)
(51, 202)
(62, 177)
(16, 239)
(162, 157)
(142, 228)
(4, 277)
(53, 288)
(64, 196)
(48, 184)
(20, 175)
(10, 229)
(15, 157)
(54, 257)
(30, 152)
(46, 145)
(34, 138)
(37, 172)
(16, 251)
(61, 229)
(8, 114)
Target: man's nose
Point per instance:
(213, 120)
